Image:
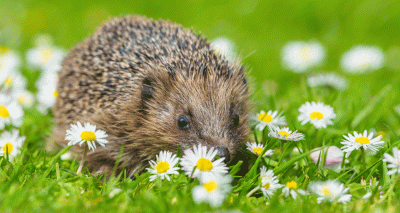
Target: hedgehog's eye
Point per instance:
(235, 119)
(183, 122)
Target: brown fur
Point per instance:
(134, 77)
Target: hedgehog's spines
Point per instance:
(111, 80)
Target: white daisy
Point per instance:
(47, 94)
(225, 47)
(14, 80)
(327, 79)
(88, 133)
(163, 166)
(354, 142)
(360, 59)
(330, 190)
(47, 58)
(10, 112)
(271, 118)
(257, 148)
(333, 159)
(394, 161)
(9, 61)
(11, 143)
(23, 97)
(318, 114)
(213, 189)
(283, 133)
(269, 182)
(292, 189)
(201, 161)
(300, 56)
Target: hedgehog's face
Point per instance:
(201, 110)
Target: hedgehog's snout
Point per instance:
(223, 152)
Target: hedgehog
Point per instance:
(152, 85)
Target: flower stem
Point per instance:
(316, 136)
(83, 160)
(252, 191)
(363, 158)
(7, 154)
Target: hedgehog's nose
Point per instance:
(223, 153)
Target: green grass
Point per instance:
(32, 182)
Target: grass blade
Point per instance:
(292, 161)
(370, 107)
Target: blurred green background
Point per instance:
(258, 28)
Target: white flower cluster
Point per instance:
(212, 174)
(44, 57)
(47, 58)
(269, 184)
(197, 163)
(13, 98)
(331, 190)
(301, 56)
(272, 120)
(13, 95)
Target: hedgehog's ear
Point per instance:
(147, 90)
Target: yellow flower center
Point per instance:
(362, 140)
(162, 167)
(266, 186)
(283, 133)
(210, 186)
(46, 55)
(8, 147)
(204, 164)
(88, 136)
(305, 54)
(21, 99)
(326, 191)
(55, 94)
(363, 61)
(291, 185)
(8, 82)
(316, 115)
(4, 112)
(264, 117)
(258, 150)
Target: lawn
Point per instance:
(363, 94)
